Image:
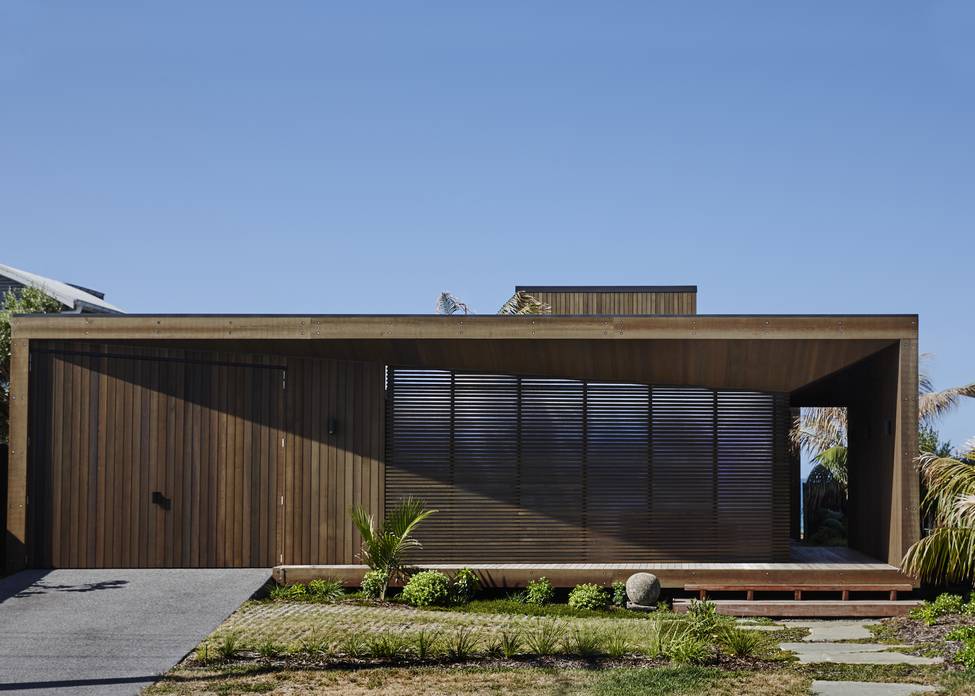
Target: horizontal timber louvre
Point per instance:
(553, 470)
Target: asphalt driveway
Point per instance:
(109, 631)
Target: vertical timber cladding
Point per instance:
(333, 457)
(547, 470)
(153, 458)
(622, 300)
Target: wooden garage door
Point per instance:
(140, 461)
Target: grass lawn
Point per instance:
(353, 647)
(686, 681)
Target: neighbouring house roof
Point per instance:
(74, 297)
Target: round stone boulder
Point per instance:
(643, 589)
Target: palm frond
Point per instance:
(948, 480)
(934, 404)
(447, 303)
(523, 303)
(834, 461)
(819, 429)
(945, 555)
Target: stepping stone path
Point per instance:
(845, 688)
(823, 644)
(833, 630)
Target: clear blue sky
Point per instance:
(353, 157)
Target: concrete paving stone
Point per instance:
(854, 654)
(845, 688)
(832, 631)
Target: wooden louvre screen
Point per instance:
(553, 470)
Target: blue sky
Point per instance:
(352, 157)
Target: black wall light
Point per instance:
(333, 425)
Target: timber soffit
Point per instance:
(401, 326)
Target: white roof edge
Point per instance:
(68, 295)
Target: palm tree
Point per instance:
(447, 303)
(947, 554)
(385, 545)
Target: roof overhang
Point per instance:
(760, 352)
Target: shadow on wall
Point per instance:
(29, 583)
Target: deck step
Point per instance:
(808, 608)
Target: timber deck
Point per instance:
(834, 566)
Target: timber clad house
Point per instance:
(622, 432)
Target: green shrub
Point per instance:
(943, 605)
(544, 640)
(427, 588)
(326, 590)
(539, 592)
(466, 585)
(204, 654)
(741, 643)
(966, 633)
(704, 619)
(691, 651)
(315, 644)
(461, 644)
(373, 583)
(619, 593)
(589, 596)
(966, 656)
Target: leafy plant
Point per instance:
(966, 656)
(294, 592)
(27, 300)
(425, 642)
(385, 546)
(465, 586)
(204, 655)
(326, 590)
(315, 644)
(373, 583)
(943, 605)
(269, 650)
(510, 643)
(619, 593)
(584, 643)
(741, 643)
(589, 596)
(966, 633)
(539, 592)
(544, 640)
(704, 618)
(227, 646)
(386, 646)
(428, 588)
(691, 651)
(461, 644)
(354, 645)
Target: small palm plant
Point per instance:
(947, 554)
(384, 546)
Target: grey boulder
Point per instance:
(643, 589)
